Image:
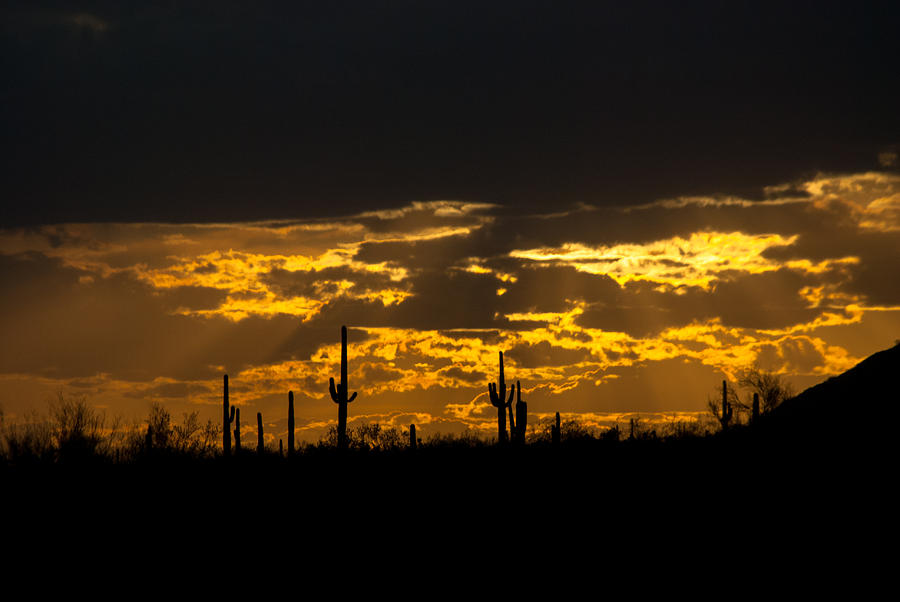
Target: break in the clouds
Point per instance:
(600, 311)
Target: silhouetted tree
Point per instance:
(159, 427)
(771, 388)
(76, 428)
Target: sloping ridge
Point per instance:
(864, 397)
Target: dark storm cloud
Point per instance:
(770, 300)
(609, 226)
(467, 376)
(231, 111)
(543, 353)
(175, 390)
(874, 277)
(439, 301)
(315, 283)
(192, 298)
(417, 218)
(435, 253)
(553, 288)
(642, 387)
(798, 355)
(68, 326)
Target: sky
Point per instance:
(631, 201)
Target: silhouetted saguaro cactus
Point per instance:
(512, 419)
(339, 393)
(556, 432)
(498, 395)
(260, 447)
(755, 415)
(727, 411)
(227, 419)
(521, 416)
(412, 437)
(237, 429)
(290, 423)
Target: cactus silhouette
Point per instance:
(290, 423)
(227, 419)
(498, 395)
(237, 430)
(727, 411)
(512, 419)
(755, 415)
(339, 393)
(412, 437)
(521, 416)
(555, 432)
(260, 447)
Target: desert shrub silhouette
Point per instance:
(26, 442)
(188, 439)
(76, 429)
(367, 437)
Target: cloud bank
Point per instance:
(601, 311)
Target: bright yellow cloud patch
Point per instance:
(693, 261)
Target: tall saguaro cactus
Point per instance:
(260, 446)
(227, 419)
(556, 432)
(755, 410)
(237, 430)
(339, 393)
(521, 416)
(290, 423)
(499, 401)
(724, 417)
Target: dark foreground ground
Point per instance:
(456, 520)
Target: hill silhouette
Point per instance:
(857, 405)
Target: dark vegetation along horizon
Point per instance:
(769, 462)
(75, 434)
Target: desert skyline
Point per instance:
(603, 313)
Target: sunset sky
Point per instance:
(632, 203)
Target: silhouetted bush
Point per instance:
(571, 430)
(28, 441)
